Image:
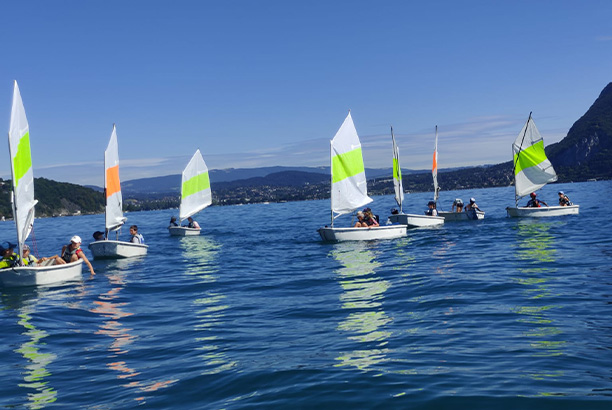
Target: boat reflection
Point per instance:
(35, 372)
(109, 306)
(210, 307)
(536, 253)
(363, 297)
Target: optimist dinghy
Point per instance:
(532, 171)
(23, 208)
(410, 220)
(114, 219)
(195, 194)
(349, 189)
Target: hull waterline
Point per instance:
(107, 249)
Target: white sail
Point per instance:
(195, 189)
(532, 170)
(112, 185)
(397, 174)
(21, 169)
(349, 188)
(434, 168)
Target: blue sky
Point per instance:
(261, 83)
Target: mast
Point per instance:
(331, 181)
(516, 198)
(434, 169)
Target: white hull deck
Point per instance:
(329, 234)
(41, 275)
(416, 221)
(472, 215)
(107, 249)
(183, 231)
(545, 211)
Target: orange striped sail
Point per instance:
(112, 186)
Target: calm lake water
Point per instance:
(257, 312)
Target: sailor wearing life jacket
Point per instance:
(535, 203)
(9, 258)
(136, 237)
(564, 199)
(432, 211)
(73, 248)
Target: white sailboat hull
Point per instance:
(107, 249)
(416, 221)
(41, 275)
(472, 215)
(545, 211)
(329, 234)
(183, 231)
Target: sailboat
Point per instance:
(532, 171)
(23, 207)
(114, 219)
(410, 220)
(349, 188)
(195, 194)
(466, 215)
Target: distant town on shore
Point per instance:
(584, 154)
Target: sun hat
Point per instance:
(7, 245)
(533, 194)
(75, 239)
(472, 200)
(26, 247)
(431, 203)
(360, 214)
(561, 193)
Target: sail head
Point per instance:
(195, 188)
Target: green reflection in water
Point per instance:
(36, 370)
(363, 296)
(210, 308)
(536, 253)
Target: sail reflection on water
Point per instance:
(536, 253)
(114, 311)
(363, 297)
(35, 372)
(210, 307)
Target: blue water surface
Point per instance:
(257, 312)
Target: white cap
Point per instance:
(75, 239)
(472, 200)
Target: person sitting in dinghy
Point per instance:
(457, 205)
(472, 206)
(369, 218)
(192, 224)
(72, 253)
(535, 203)
(136, 237)
(564, 199)
(9, 257)
(173, 222)
(360, 222)
(432, 211)
(31, 260)
(98, 236)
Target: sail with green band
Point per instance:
(349, 188)
(532, 170)
(397, 174)
(21, 168)
(195, 189)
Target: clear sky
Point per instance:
(269, 82)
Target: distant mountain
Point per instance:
(586, 151)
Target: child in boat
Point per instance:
(457, 205)
(564, 199)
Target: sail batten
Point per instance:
(349, 185)
(195, 187)
(532, 169)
